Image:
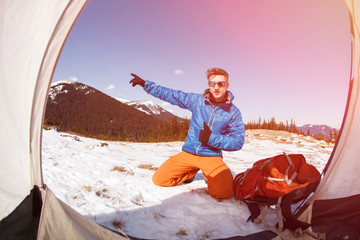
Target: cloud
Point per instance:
(72, 78)
(179, 72)
(110, 87)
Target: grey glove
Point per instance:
(205, 134)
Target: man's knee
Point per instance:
(221, 185)
(158, 180)
(222, 192)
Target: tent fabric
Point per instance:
(33, 33)
(59, 221)
(344, 210)
(335, 208)
(23, 222)
(345, 161)
(32, 36)
(64, 21)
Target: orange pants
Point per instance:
(184, 166)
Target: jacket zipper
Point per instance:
(208, 123)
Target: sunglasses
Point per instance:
(220, 84)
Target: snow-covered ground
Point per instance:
(110, 183)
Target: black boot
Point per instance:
(190, 179)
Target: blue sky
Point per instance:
(286, 59)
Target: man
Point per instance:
(216, 124)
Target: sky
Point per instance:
(286, 59)
(118, 191)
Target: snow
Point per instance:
(150, 107)
(153, 108)
(122, 100)
(65, 81)
(57, 88)
(110, 183)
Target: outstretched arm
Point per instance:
(176, 97)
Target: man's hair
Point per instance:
(217, 71)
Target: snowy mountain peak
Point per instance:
(65, 81)
(147, 107)
(56, 88)
(59, 87)
(317, 129)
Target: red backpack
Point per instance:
(278, 181)
(275, 177)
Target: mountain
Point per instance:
(150, 108)
(317, 130)
(79, 108)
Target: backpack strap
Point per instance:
(289, 160)
(257, 214)
(286, 179)
(254, 209)
(258, 207)
(291, 221)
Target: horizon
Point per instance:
(285, 59)
(125, 101)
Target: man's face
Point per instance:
(218, 85)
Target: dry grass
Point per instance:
(206, 235)
(99, 193)
(181, 232)
(88, 188)
(158, 216)
(118, 223)
(147, 166)
(74, 137)
(121, 169)
(102, 193)
(278, 136)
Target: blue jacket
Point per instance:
(224, 120)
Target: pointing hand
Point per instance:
(137, 80)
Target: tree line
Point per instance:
(289, 127)
(171, 130)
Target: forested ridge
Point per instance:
(82, 109)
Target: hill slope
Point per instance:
(79, 108)
(315, 130)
